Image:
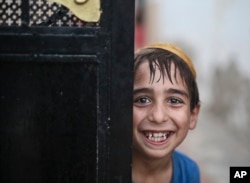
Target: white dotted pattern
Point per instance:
(10, 12)
(41, 13)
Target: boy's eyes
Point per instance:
(175, 101)
(142, 100)
(171, 100)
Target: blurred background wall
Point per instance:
(216, 35)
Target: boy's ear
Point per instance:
(194, 116)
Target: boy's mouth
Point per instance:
(158, 136)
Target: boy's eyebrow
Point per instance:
(177, 91)
(168, 91)
(142, 90)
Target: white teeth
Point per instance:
(157, 137)
(159, 134)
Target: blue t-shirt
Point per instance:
(185, 170)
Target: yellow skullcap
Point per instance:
(177, 51)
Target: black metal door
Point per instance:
(66, 93)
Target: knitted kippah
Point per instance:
(177, 51)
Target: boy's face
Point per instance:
(161, 113)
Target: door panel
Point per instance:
(66, 93)
(46, 131)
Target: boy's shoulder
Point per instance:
(183, 159)
(184, 169)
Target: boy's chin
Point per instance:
(163, 154)
(158, 154)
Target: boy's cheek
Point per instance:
(138, 115)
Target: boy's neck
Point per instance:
(145, 170)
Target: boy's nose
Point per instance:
(158, 113)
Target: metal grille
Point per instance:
(41, 13)
(10, 12)
(44, 12)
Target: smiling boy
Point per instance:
(166, 106)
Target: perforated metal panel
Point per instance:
(10, 13)
(40, 13)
